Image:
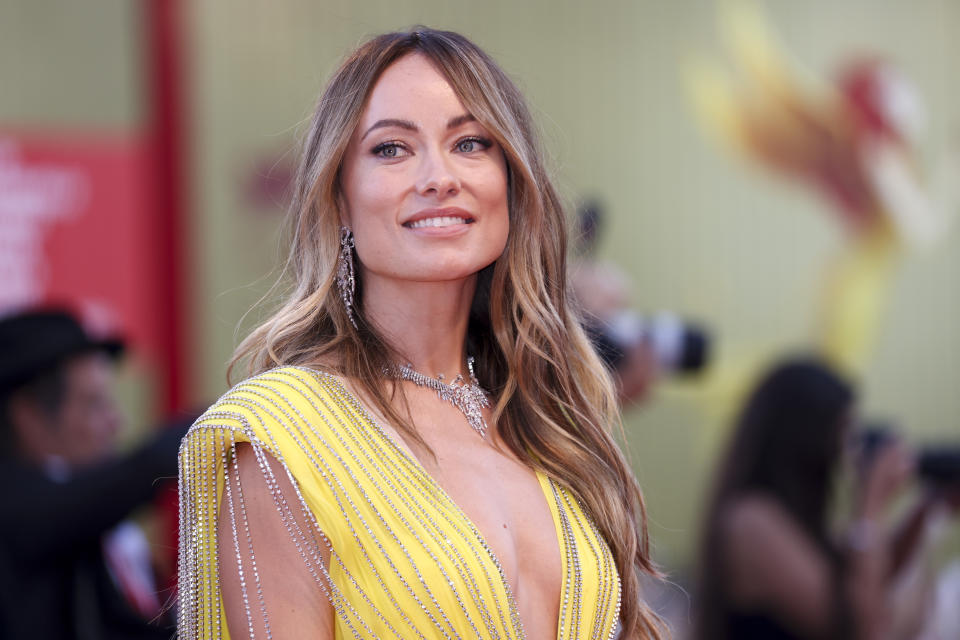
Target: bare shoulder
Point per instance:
(755, 516)
(756, 527)
(769, 557)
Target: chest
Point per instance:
(468, 542)
(510, 506)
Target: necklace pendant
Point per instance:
(470, 399)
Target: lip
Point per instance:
(451, 212)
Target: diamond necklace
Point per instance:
(468, 398)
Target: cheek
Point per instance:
(495, 198)
(77, 435)
(373, 199)
(376, 235)
(490, 185)
(91, 427)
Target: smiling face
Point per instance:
(425, 185)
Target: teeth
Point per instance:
(441, 221)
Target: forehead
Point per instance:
(413, 89)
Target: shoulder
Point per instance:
(268, 403)
(766, 550)
(268, 389)
(755, 523)
(299, 416)
(754, 515)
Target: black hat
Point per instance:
(33, 342)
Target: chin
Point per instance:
(446, 274)
(454, 266)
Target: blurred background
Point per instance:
(145, 147)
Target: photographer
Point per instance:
(771, 568)
(638, 349)
(600, 290)
(71, 564)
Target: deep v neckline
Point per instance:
(547, 490)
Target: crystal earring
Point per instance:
(346, 282)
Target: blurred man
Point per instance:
(70, 567)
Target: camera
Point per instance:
(678, 346)
(940, 465)
(937, 464)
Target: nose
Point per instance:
(437, 177)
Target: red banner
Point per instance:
(78, 228)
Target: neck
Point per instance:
(425, 322)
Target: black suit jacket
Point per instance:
(54, 582)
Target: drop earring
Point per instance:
(346, 281)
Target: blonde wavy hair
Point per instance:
(556, 409)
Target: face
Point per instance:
(425, 185)
(88, 423)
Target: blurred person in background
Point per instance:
(771, 568)
(71, 567)
(601, 292)
(638, 349)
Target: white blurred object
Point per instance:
(944, 620)
(900, 103)
(127, 552)
(919, 206)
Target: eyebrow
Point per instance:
(453, 123)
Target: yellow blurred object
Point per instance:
(760, 85)
(846, 138)
(856, 297)
(836, 138)
(747, 34)
(710, 88)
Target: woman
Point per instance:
(348, 489)
(770, 567)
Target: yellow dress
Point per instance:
(405, 561)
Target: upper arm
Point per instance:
(270, 554)
(774, 566)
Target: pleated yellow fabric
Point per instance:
(405, 561)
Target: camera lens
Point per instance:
(940, 465)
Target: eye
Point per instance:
(389, 150)
(471, 144)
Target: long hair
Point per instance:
(786, 445)
(555, 407)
